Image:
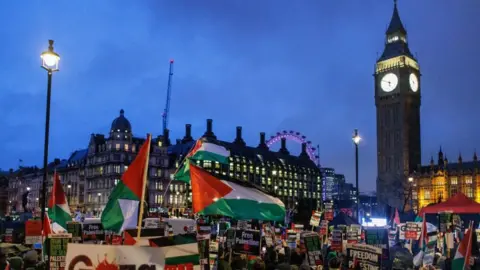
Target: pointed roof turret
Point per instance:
(396, 25)
(396, 38)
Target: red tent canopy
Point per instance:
(458, 204)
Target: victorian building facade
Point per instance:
(294, 179)
(440, 180)
(89, 175)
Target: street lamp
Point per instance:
(28, 188)
(356, 140)
(50, 64)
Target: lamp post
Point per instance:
(356, 140)
(50, 61)
(410, 182)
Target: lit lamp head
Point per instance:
(356, 138)
(50, 58)
(410, 179)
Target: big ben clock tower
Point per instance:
(397, 98)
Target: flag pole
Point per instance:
(144, 186)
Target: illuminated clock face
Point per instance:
(413, 82)
(389, 82)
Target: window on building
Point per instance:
(426, 195)
(126, 147)
(469, 192)
(117, 146)
(217, 165)
(468, 179)
(207, 164)
(115, 182)
(453, 180)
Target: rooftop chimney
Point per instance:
(188, 134)
(166, 137)
(262, 143)
(209, 132)
(283, 148)
(304, 154)
(239, 140)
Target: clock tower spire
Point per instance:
(397, 99)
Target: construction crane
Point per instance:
(169, 91)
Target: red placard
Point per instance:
(411, 235)
(329, 215)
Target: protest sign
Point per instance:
(93, 232)
(75, 228)
(57, 250)
(324, 227)
(313, 248)
(337, 241)
(85, 256)
(328, 211)
(369, 257)
(315, 219)
(412, 230)
(33, 232)
(247, 242)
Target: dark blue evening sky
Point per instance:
(301, 65)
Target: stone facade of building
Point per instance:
(439, 181)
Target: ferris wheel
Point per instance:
(296, 137)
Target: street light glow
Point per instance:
(28, 188)
(50, 58)
(356, 138)
(410, 179)
(69, 186)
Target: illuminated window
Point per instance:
(115, 182)
(117, 146)
(133, 148)
(160, 143)
(453, 180)
(116, 168)
(427, 195)
(207, 164)
(217, 165)
(469, 192)
(468, 179)
(126, 147)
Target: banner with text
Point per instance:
(85, 256)
(369, 257)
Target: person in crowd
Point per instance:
(334, 264)
(3, 260)
(30, 260)
(239, 262)
(258, 265)
(297, 257)
(15, 263)
(223, 262)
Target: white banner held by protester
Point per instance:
(82, 256)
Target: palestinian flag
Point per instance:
(58, 209)
(202, 151)
(183, 173)
(209, 151)
(461, 261)
(178, 250)
(212, 196)
(46, 230)
(121, 211)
